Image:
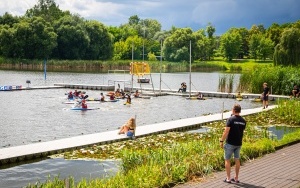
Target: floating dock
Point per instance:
(43, 149)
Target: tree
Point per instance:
(100, 45)
(123, 49)
(266, 48)
(231, 42)
(46, 9)
(176, 46)
(210, 30)
(287, 52)
(274, 33)
(254, 45)
(72, 39)
(244, 51)
(8, 19)
(32, 38)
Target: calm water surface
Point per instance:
(40, 115)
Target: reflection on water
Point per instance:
(22, 175)
(279, 131)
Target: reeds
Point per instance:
(226, 83)
(281, 80)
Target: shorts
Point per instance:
(129, 133)
(231, 149)
(265, 98)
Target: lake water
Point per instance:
(31, 116)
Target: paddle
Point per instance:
(79, 102)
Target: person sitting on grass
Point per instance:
(128, 128)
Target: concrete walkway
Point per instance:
(280, 169)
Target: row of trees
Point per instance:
(45, 31)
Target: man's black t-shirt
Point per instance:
(237, 126)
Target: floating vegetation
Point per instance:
(114, 150)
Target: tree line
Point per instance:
(45, 31)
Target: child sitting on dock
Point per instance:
(128, 128)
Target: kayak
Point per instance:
(195, 98)
(256, 100)
(115, 100)
(143, 97)
(74, 102)
(84, 109)
(239, 99)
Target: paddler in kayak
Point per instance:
(83, 104)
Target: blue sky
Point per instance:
(196, 14)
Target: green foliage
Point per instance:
(287, 52)
(281, 80)
(231, 43)
(289, 111)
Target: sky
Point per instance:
(196, 14)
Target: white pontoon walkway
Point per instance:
(43, 149)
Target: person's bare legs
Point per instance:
(264, 103)
(237, 169)
(228, 168)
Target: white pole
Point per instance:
(190, 68)
(132, 67)
(160, 67)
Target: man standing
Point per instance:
(265, 95)
(233, 134)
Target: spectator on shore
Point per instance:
(265, 95)
(233, 136)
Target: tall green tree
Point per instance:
(8, 19)
(32, 38)
(231, 43)
(287, 52)
(274, 33)
(176, 46)
(245, 42)
(100, 45)
(47, 9)
(210, 30)
(254, 45)
(266, 48)
(72, 38)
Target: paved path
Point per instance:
(280, 169)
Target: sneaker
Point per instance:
(235, 181)
(227, 181)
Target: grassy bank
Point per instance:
(168, 159)
(218, 64)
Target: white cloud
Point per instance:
(15, 7)
(223, 14)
